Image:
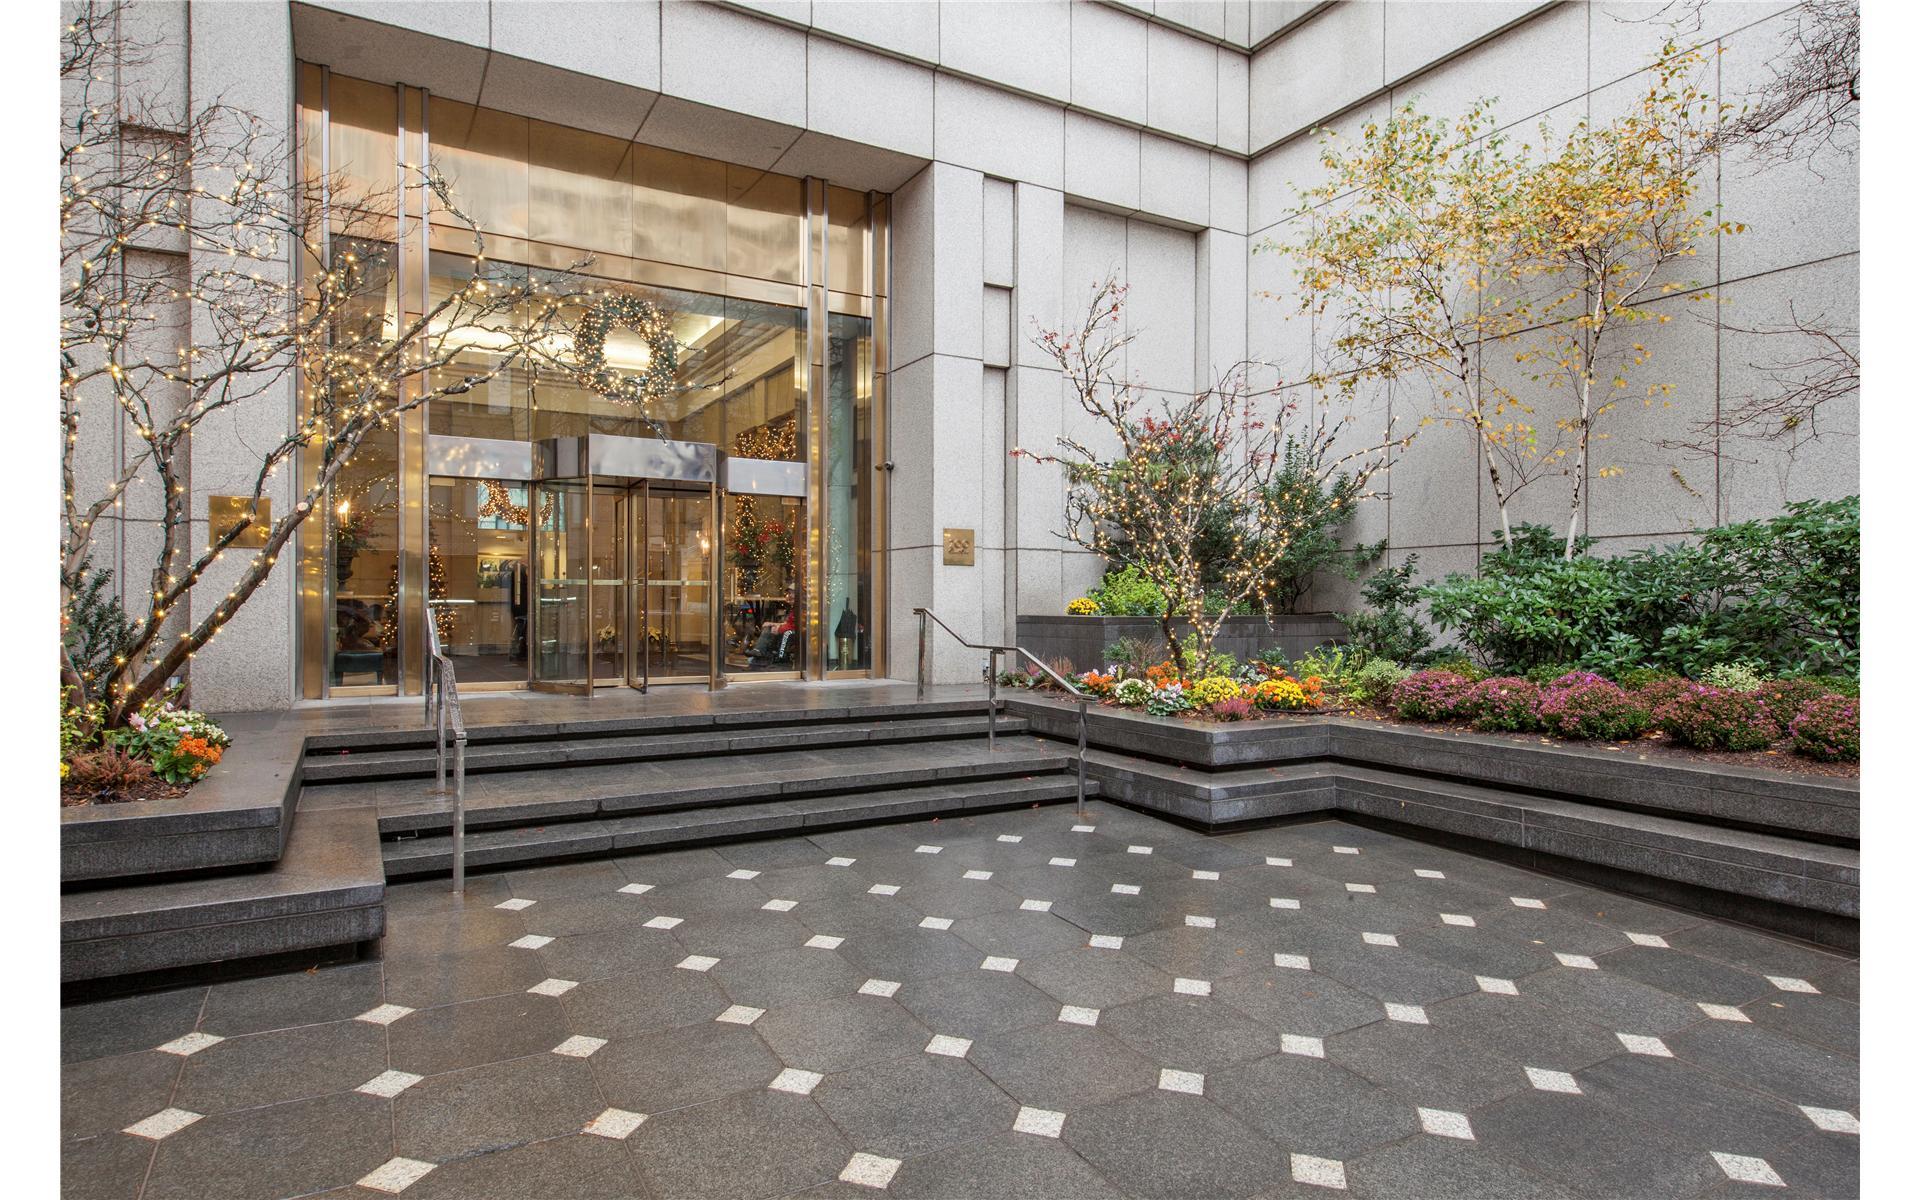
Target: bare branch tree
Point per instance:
(1825, 368)
(179, 302)
(1813, 100)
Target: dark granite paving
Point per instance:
(1023, 1004)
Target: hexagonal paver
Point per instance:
(841, 1032)
(1063, 1068)
(670, 1068)
(911, 1106)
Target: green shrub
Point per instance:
(1390, 627)
(1128, 593)
(1131, 653)
(1733, 676)
(1459, 664)
(1551, 671)
(1313, 510)
(1372, 682)
(1839, 684)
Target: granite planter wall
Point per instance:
(1084, 640)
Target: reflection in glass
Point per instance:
(562, 625)
(363, 523)
(849, 583)
(679, 584)
(478, 537)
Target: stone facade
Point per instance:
(1032, 149)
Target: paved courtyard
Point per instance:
(1023, 1004)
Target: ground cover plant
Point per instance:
(160, 751)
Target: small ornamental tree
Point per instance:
(1403, 254)
(1601, 222)
(178, 304)
(1179, 477)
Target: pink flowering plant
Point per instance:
(1710, 718)
(1507, 704)
(1828, 729)
(1584, 706)
(1429, 695)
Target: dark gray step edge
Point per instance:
(481, 733)
(434, 856)
(440, 820)
(328, 889)
(420, 765)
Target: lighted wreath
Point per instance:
(655, 327)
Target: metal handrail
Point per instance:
(443, 707)
(1080, 696)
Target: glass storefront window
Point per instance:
(723, 249)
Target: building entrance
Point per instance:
(625, 564)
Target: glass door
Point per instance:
(563, 632)
(677, 585)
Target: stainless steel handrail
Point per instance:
(443, 707)
(1081, 699)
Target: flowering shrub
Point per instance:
(1709, 718)
(176, 744)
(1285, 694)
(1429, 695)
(1586, 706)
(1132, 692)
(1784, 698)
(1504, 705)
(1828, 729)
(1082, 606)
(1213, 689)
(1233, 709)
(1097, 683)
(1168, 700)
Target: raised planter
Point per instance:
(1083, 640)
(237, 816)
(1747, 843)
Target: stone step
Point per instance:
(579, 839)
(674, 742)
(617, 789)
(327, 890)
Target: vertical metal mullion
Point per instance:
(815, 664)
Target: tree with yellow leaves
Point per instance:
(1602, 223)
(1403, 256)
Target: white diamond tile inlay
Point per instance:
(1833, 1120)
(1278, 862)
(1008, 837)
(1192, 1083)
(579, 1046)
(822, 941)
(1743, 1168)
(664, 922)
(884, 889)
(1297, 962)
(163, 1124)
(743, 873)
(615, 1123)
(1411, 1014)
(1061, 862)
(936, 923)
(1139, 849)
(1106, 941)
(1442, 1123)
(1073, 1014)
(1380, 939)
(1319, 1172)
(1788, 984)
(1193, 987)
(1552, 1081)
(928, 849)
(1206, 874)
(395, 1175)
(534, 941)
(555, 987)
(1577, 960)
(779, 905)
(1126, 889)
(741, 1014)
(1036, 906)
(869, 1170)
(1527, 902)
(1725, 1012)
(1083, 829)
(1301, 1044)
(1200, 922)
(1346, 849)
(839, 861)
(190, 1044)
(698, 962)
(992, 963)
(1637, 1043)
(637, 889)
(879, 987)
(1498, 987)
(1458, 919)
(793, 1079)
(1282, 902)
(516, 905)
(1648, 939)
(385, 1014)
(1040, 1122)
(978, 875)
(389, 1084)
(1362, 887)
(951, 1047)
(1424, 874)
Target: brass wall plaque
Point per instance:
(224, 512)
(958, 547)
